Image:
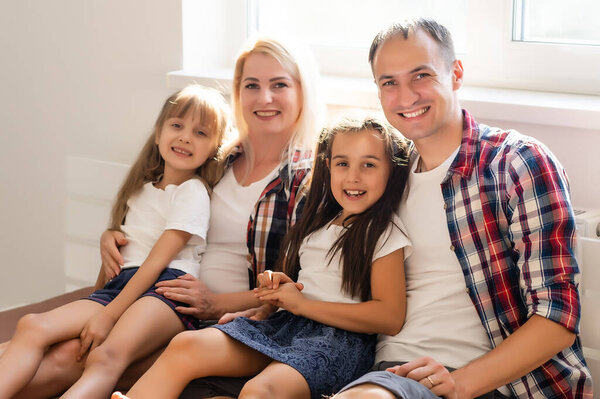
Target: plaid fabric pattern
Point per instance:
(277, 209)
(512, 229)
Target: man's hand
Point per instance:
(193, 292)
(110, 241)
(259, 313)
(95, 332)
(430, 373)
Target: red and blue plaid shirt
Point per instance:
(512, 228)
(277, 209)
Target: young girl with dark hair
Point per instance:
(163, 209)
(346, 255)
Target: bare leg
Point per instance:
(34, 335)
(195, 354)
(147, 325)
(276, 381)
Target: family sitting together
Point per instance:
(421, 256)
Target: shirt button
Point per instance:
(452, 248)
(445, 206)
(467, 290)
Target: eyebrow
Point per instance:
(363, 157)
(414, 70)
(270, 80)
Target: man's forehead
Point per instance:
(408, 54)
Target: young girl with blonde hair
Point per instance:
(163, 209)
(345, 255)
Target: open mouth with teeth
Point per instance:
(410, 115)
(266, 114)
(181, 152)
(354, 193)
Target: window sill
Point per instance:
(544, 108)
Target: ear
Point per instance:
(457, 74)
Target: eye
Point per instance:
(341, 163)
(201, 133)
(251, 86)
(388, 83)
(421, 75)
(369, 165)
(280, 85)
(176, 125)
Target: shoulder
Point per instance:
(515, 150)
(300, 160)
(392, 239)
(193, 189)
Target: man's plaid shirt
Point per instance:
(512, 229)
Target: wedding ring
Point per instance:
(430, 380)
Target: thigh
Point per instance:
(147, 325)
(278, 380)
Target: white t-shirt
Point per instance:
(224, 265)
(441, 320)
(323, 279)
(185, 207)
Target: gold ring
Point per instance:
(430, 381)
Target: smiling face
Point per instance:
(270, 98)
(417, 88)
(184, 144)
(359, 169)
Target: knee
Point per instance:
(365, 391)
(254, 389)
(30, 326)
(105, 356)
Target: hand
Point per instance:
(430, 373)
(272, 280)
(110, 241)
(286, 296)
(95, 332)
(193, 292)
(259, 313)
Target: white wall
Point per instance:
(77, 78)
(80, 84)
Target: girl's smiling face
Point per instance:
(184, 144)
(270, 97)
(359, 168)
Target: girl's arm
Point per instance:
(383, 314)
(165, 249)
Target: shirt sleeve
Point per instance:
(189, 210)
(393, 239)
(542, 230)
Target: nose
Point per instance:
(353, 175)
(406, 96)
(185, 136)
(266, 96)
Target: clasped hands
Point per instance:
(280, 290)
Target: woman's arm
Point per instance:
(168, 245)
(383, 314)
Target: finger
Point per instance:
(116, 255)
(396, 370)
(299, 286)
(85, 344)
(177, 297)
(186, 310)
(187, 277)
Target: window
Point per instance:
(502, 43)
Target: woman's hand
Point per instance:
(287, 296)
(193, 292)
(110, 242)
(430, 373)
(259, 313)
(95, 332)
(272, 280)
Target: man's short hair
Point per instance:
(437, 31)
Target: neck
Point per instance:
(435, 149)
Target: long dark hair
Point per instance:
(362, 232)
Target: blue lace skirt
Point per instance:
(327, 357)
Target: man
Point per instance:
(492, 306)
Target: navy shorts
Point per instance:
(110, 291)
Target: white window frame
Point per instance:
(495, 86)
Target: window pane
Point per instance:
(354, 23)
(557, 21)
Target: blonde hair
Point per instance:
(299, 62)
(213, 112)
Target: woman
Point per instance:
(277, 114)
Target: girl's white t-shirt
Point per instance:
(224, 265)
(322, 279)
(185, 207)
(441, 320)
